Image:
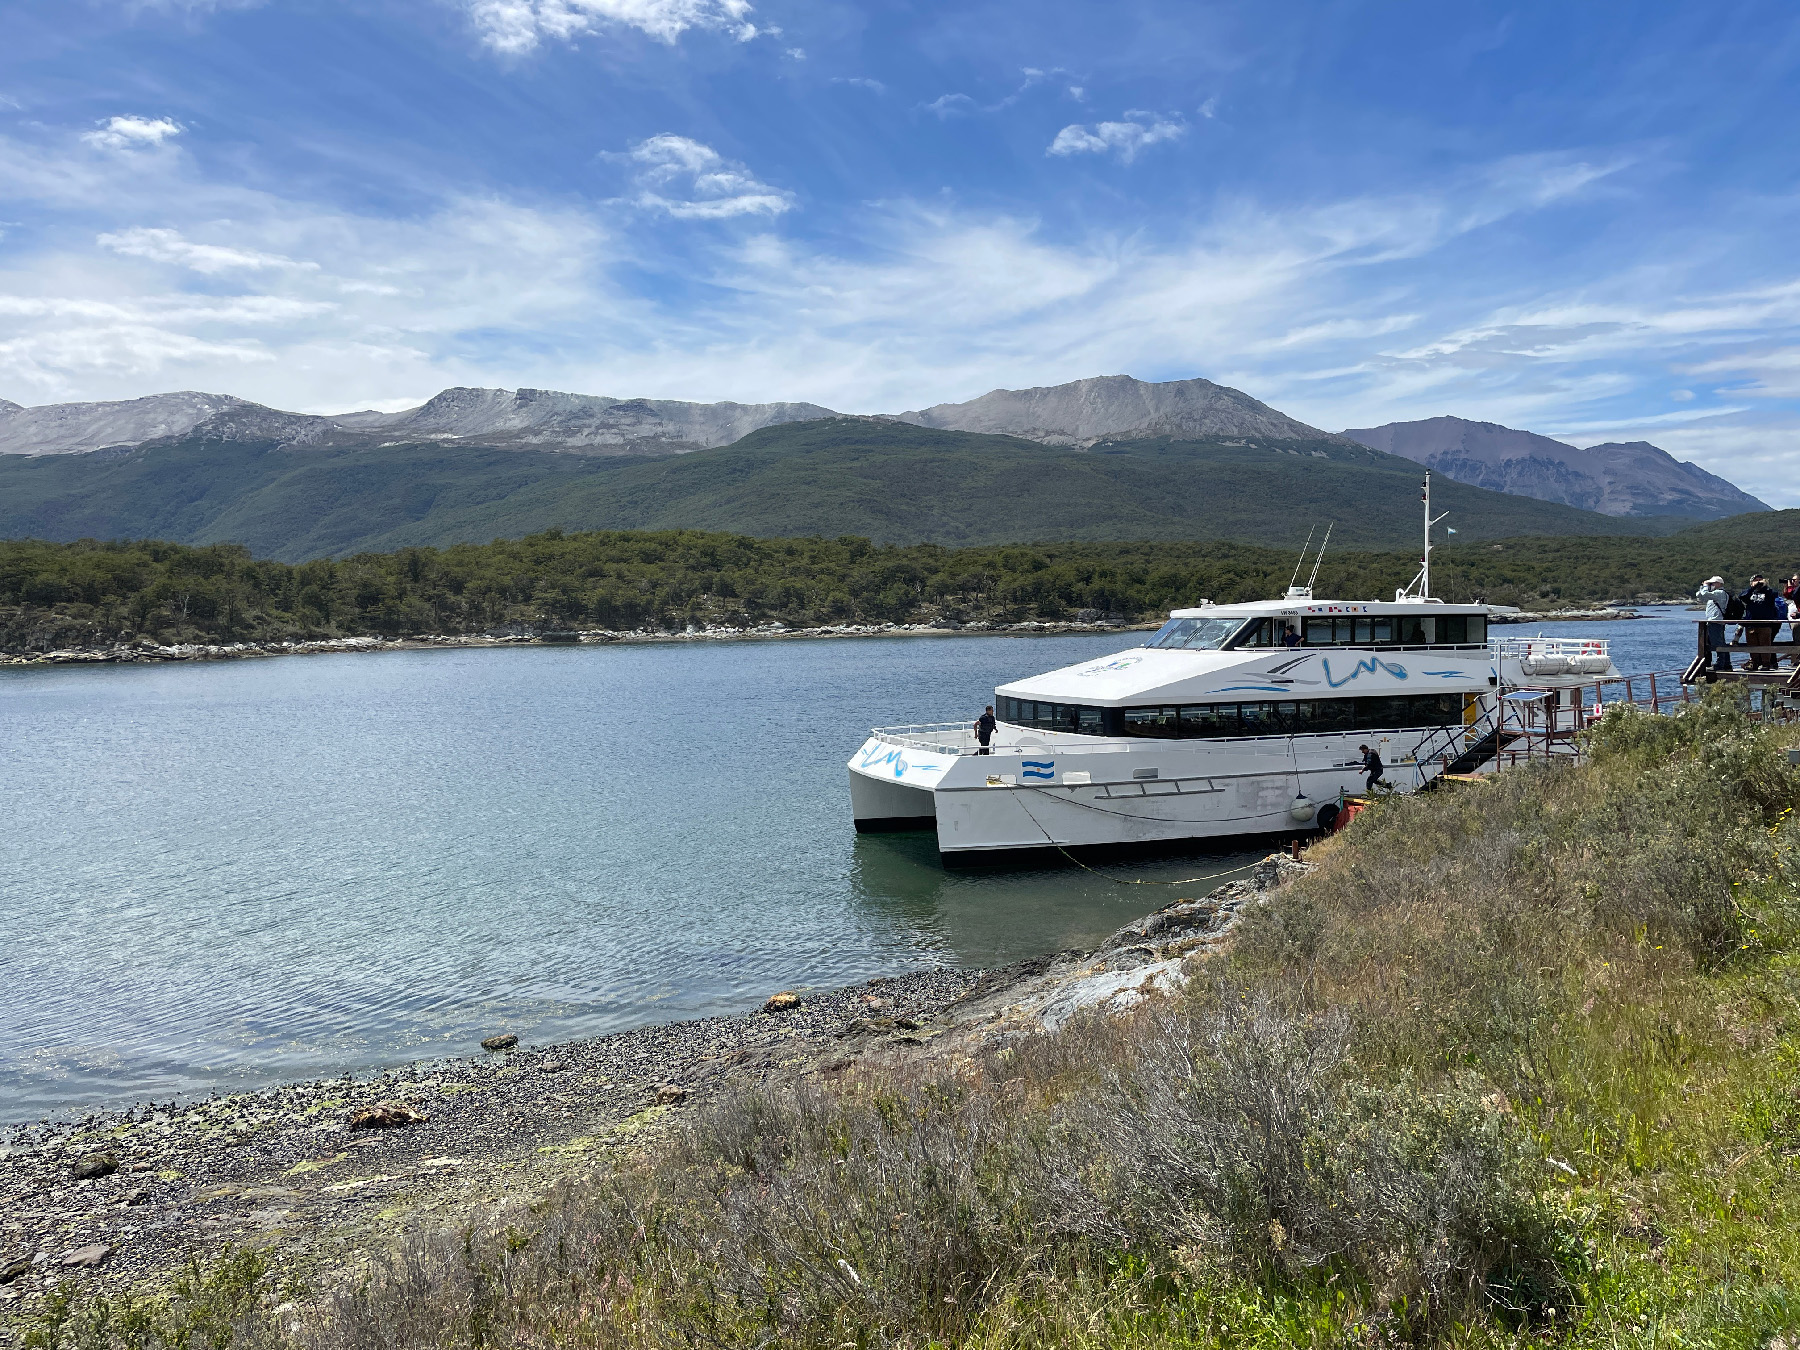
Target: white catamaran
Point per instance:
(1232, 720)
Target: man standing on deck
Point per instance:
(1371, 762)
(1762, 617)
(1715, 597)
(984, 730)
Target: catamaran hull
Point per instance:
(1156, 793)
(882, 806)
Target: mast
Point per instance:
(1425, 589)
(1424, 577)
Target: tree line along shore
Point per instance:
(1516, 1062)
(92, 594)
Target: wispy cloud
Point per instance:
(1125, 139)
(952, 105)
(515, 27)
(692, 181)
(132, 132)
(861, 82)
(169, 246)
(958, 104)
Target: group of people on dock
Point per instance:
(1756, 614)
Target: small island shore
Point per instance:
(148, 652)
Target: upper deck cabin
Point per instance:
(1304, 622)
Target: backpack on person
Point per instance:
(1734, 609)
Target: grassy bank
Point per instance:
(92, 594)
(1515, 1061)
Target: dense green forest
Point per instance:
(887, 481)
(88, 593)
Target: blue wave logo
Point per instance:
(874, 759)
(1037, 768)
(1122, 663)
(1367, 666)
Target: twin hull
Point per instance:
(1145, 791)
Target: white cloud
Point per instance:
(1126, 139)
(1210, 108)
(711, 187)
(132, 132)
(169, 246)
(518, 26)
(873, 86)
(951, 105)
(1760, 373)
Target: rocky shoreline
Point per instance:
(324, 1173)
(144, 650)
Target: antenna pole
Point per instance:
(1425, 591)
(1321, 558)
(1295, 579)
(1424, 577)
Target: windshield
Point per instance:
(1198, 635)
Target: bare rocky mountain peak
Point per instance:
(590, 423)
(73, 428)
(1117, 407)
(1631, 478)
(538, 418)
(8, 406)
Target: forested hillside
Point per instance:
(890, 482)
(55, 595)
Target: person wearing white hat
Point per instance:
(1715, 597)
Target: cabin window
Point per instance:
(1199, 635)
(1208, 719)
(1461, 629)
(1157, 722)
(1271, 717)
(1412, 630)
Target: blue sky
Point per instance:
(1577, 219)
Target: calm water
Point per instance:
(226, 875)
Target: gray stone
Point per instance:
(504, 1042)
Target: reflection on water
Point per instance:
(990, 915)
(222, 875)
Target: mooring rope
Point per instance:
(1117, 881)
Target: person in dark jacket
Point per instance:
(984, 730)
(1763, 614)
(1371, 762)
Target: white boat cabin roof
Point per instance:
(1291, 607)
(1308, 649)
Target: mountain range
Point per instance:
(1631, 478)
(1104, 458)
